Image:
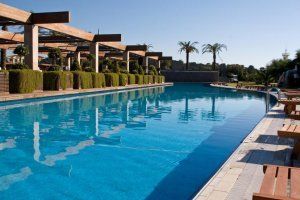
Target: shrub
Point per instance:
(156, 79)
(131, 79)
(98, 80)
(123, 79)
(151, 79)
(75, 66)
(146, 79)
(139, 79)
(57, 80)
(24, 81)
(112, 79)
(19, 66)
(161, 79)
(82, 80)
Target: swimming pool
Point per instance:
(155, 143)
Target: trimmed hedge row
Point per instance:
(139, 79)
(98, 80)
(131, 79)
(112, 79)
(123, 79)
(82, 80)
(25, 81)
(57, 80)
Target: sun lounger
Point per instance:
(291, 131)
(291, 95)
(289, 105)
(279, 182)
(295, 115)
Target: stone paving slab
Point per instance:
(242, 173)
(38, 94)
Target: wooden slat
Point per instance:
(291, 128)
(297, 130)
(285, 127)
(108, 38)
(295, 183)
(282, 182)
(268, 183)
(6, 35)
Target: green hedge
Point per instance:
(112, 79)
(98, 80)
(131, 79)
(82, 80)
(156, 79)
(123, 79)
(139, 79)
(151, 79)
(57, 80)
(25, 81)
(146, 79)
(161, 79)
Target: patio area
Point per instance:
(242, 174)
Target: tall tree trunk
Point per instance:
(187, 61)
(3, 52)
(214, 61)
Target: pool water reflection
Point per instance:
(155, 143)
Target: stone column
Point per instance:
(146, 63)
(69, 63)
(94, 49)
(77, 56)
(31, 41)
(126, 59)
(158, 66)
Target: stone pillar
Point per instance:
(126, 59)
(94, 49)
(31, 41)
(77, 56)
(158, 66)
(146, 63)
(69, 63)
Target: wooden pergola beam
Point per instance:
(166, 58)
(154, 54)
(18, 15)
(136, 48)
(50, 17)
(58, 39)
(6, 35)
(108, 38)
(114, 54)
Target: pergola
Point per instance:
(71, 41)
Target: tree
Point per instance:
(3, 52)
(21, 51)
(264, 76)
(188, 47)
(55, 56)
(214, 49)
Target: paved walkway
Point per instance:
(39, 94)
(242, 174)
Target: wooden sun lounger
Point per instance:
(289, 105)
(291, 131)
(295, 115)
(291, 95)
(280, 183)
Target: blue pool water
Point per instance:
(157, 143)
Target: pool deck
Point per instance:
(242, 173)
(39, 94)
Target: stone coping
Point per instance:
(5, 97)
(241, 175)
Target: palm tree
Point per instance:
(3, 52)
(214, 49)
(188, 47)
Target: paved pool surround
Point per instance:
(41, 94)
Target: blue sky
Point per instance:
(255, 31)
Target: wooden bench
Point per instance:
(280, 183)
(291, 131)
(289, 105)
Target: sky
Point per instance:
(255, 31)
